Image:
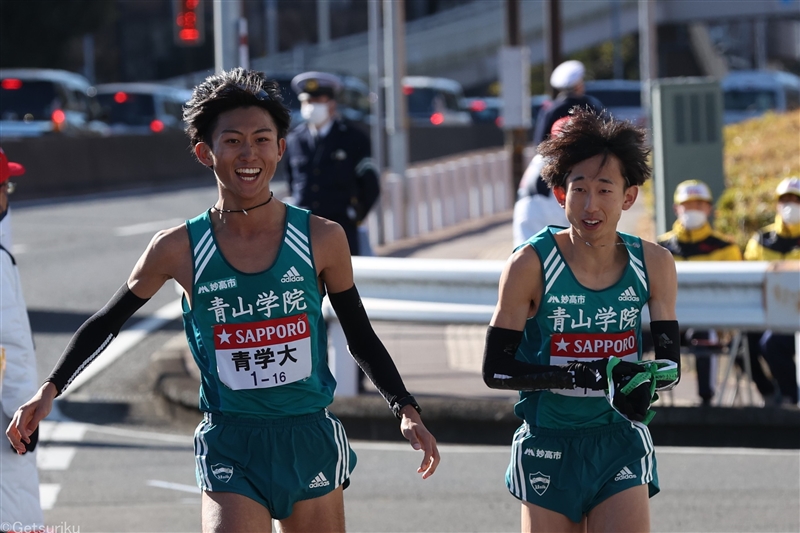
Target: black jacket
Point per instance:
(559, 108)
(333, 177)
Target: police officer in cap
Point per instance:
(568, 79)
(330, 171)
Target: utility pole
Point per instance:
(616, 37)
(396, 121)
(323, 22)
(376, 89)
(226, 34)
(648, 52)
(271, 25)
(515, 80)
(552, 41)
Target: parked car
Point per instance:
(490, 108)
(621, 98)
(751, 93)
(484, 109)
(435, 102)
(36, 102)
(142, 108)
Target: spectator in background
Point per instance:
(330, 171)
(693, 239)
(536, 206)
(19, 479)
(568, 79)
(776, 242)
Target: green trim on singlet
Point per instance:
(213, 277)
(583, 324)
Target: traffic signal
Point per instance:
(188, 26)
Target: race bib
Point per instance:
(566, 348)
(260, 355)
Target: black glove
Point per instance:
(29, 446)
(635, 404)
(592, 374)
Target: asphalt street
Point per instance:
(115, 459)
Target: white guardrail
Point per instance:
(725, 295)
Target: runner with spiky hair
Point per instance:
(566, 333)
(254, 272)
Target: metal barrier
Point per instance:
(724, 295)
(439, 194)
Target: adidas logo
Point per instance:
(319, 481)
(293, 275)
(625, 473)
(628, 295)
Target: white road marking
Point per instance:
(54, 457)
(126, 340)
(144, 435)
(174, 486)
(48, 493)
(50, 431)
(147, 227)
(688, 450)
(480, 448)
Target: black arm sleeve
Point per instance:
(94, 336)
(667, 341)
(502, 371)
(365, 346)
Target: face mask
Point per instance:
(316, 114)
(790, 213)
(693, 219)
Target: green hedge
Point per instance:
(759, 153)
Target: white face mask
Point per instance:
(693, 219)
(317, 114)
(790, 213)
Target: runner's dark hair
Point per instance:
(232, 89)
(588, 134)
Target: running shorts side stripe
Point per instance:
(517, 480)
(200, 452)
(647, 459)
(342, 466)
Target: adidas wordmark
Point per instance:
(319, 481)
(292, 275)
(628, 295)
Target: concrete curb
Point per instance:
(492, 421)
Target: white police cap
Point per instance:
(317, 84)
(567, 75)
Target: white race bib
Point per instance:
(259, 355)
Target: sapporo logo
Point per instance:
(539, 482)
(222, 472)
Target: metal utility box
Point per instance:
(687, 139)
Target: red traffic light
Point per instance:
(188, 19)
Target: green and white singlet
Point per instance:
(577, 324)
(259, 339)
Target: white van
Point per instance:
(36, 102)
(751, 93)
(143, 108)
(435, 102)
